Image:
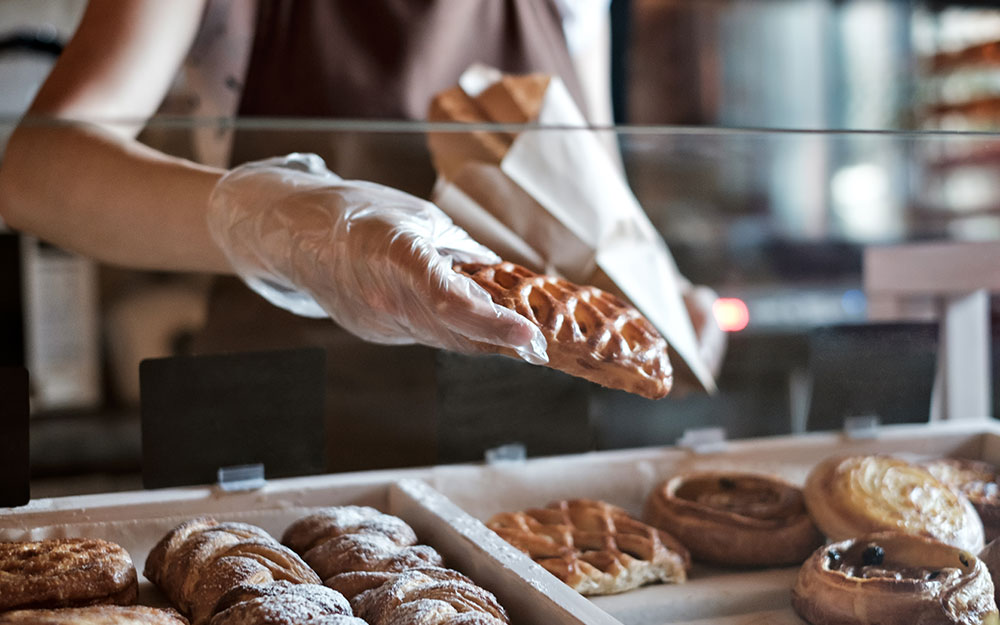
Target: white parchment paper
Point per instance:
(559, 203)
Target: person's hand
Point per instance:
(374, 259)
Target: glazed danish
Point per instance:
(593, 546)
(855, 495)
(979, 482)
(735, 519)
(200, 560)
(894, 579)
(590, 333)
(65, 572)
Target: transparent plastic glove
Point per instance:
(374, 259)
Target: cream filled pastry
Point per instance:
(735, 519)
(855, 495)
(894, 579)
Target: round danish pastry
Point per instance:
(855, 495)
(735, 519)
(979, 482)
(893, 578)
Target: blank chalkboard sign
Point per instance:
(15, 471)
(203, 413)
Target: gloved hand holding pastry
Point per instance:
(374, 259)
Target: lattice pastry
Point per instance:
(357, 538)
(200, 560)
(735, 519)
(284, 603)
(95, 615)
(591, 333)
(894, 579)
(65, 572)
(593, 546)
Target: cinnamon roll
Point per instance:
(735, 519)
(893, 578)
(850, 496)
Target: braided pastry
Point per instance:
(590, 333)
(65, 572)
(198, 561)
(95, 615)
(429, 596)
(354, 538)
(593, 546)
(373, 559)
(283, 603)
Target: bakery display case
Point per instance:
(784, 222)
(447, 507)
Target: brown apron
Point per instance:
(384, 59)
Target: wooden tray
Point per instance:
(446, 504)
(625, 478)
(138, 520)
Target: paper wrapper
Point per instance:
(555, 202)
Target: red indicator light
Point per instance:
(731, 314)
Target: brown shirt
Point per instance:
(384, 59)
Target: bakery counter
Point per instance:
(448, 505)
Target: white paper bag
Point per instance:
(558, 203)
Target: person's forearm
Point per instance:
(112, 199)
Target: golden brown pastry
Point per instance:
(65, 572)
(591, 333)
(514, 99)
(979, 482)
(198, 561)
(593, 546)
(357, 538)
(373, 559)
(95, 615)
(894, 579)
(735, 519)
(283, 603)
(429, 596)
(855, 495)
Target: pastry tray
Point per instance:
(443, 505)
